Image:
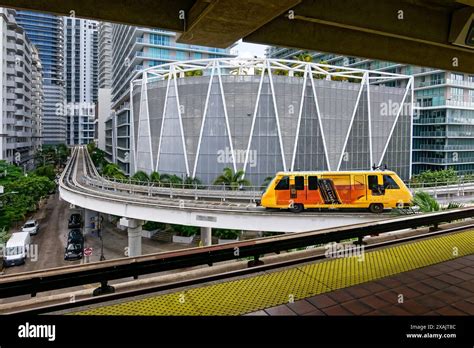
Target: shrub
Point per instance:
(153, 225)
(185, 231)
(226, 233)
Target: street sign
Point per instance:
(88, 251)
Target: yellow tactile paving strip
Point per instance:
(275, 288)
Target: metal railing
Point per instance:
(32, 283)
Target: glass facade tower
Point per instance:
(46, 32)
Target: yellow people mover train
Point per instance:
(374, 190)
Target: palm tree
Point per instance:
(425, 202)
(194, 182)
(155, 177)
(232, 180)
(303, 57)
(171, 180)
(140, 176)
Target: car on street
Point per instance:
(75, 235)
(31, 226)
(75, 221)
(74, 250)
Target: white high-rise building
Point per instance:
(105, 54)
(21, 95)
(80, 71)
(37, 99)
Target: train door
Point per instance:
(313, 196)
(282, 191)
(376, 191)
(359, 189)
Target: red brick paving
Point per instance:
(336, 310)
(443, 289)
(356, 307)
(340, 295)
(321, 301)
(301, 307)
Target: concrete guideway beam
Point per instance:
(145, 13)
(220, 23)
(242, 220)
(134, 229)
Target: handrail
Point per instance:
(104, 271)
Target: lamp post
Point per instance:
(99, 230)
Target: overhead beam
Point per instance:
(388, 30)
(146, 13)
(220, 23)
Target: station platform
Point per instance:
(430, 276)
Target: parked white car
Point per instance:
(31, 226)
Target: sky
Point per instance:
(248, 50)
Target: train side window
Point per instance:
(377, 190)
(299, 183)
(312, 183)
(373, 182)
(389, 183)
(283, 184)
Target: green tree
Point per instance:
(231, 180)
(155, 177)
(171, 180)
(97, 155)
(47, 171)
(185, 231)
(22, 196)
(226, 233)
(437, 177)
(112, 170)
(140, 176)
(4, 235)
(195, 182)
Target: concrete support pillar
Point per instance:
(206, 236)
(134, 228)
(89, 221)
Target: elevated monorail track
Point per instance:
(81, 185)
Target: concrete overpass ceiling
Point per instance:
(410, 31)
(144, 13)
(430, 33)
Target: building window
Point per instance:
(457, 77)
(471, 96)
(457, 94)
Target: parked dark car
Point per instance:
(75, 221)
(75, 236)
(74, 250)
